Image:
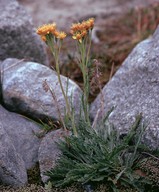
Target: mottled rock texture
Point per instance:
(22, 133)
(17, 35)
(135, 89)
(12, 166)
(23, 90)
(49, 152)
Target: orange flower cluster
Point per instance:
(80, 30)
(48, 29)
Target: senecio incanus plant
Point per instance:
(81, 32)
(100, 154)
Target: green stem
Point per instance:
(84, 69)
(89, 48)
(59, 79)
(56, 51)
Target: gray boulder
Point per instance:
(22, 134)
(135, 89)
(12, 166)
(17, 35)
(23, 90)
(0, 85)
(49, 152)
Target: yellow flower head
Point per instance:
(43, 38)
(56, 33)
(80, 30)
(83, 33)
(78, 37)
(46, 29)
(90, 23)
(61, 35)
(75, 27)
(83, 26)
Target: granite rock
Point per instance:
(134, 89)
(17, 34)
(22, 133)
(49, 153)
(12, 166)
(24, 92)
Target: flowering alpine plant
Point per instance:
(81, 32)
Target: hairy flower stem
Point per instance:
(84, 59)
(56, 53)
(61, 118)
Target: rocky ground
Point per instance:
(112, 41)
